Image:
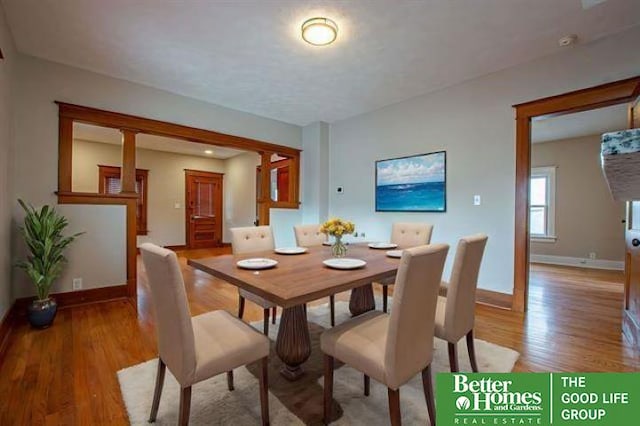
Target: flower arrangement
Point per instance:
(337, 228)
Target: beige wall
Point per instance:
(6, 139)
(588, 220)
(240, 191)
(166, 223)
(474, 122)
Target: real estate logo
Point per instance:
(536, 398)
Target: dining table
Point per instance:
(299, 279)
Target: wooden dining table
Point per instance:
(299, 279)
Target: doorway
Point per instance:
(203, 209)
(619, 92)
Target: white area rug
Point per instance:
(213, 404)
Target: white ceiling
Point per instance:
(594, 122)
(108, 135)
(249, 55)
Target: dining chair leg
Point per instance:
(367, 385)
(332, 305)
(427, 385)
(230, 380)
(394, 407)
(328, 388)
(472, 351)
(185, 406)
(264, 390)
(385, 296)
(274, 312)
(158, 391)
(240, 306)
(266, 322)
(453, 356)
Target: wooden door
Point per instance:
(203, 192)
(631, 314)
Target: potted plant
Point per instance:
(42, 232)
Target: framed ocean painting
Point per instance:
(412, 184)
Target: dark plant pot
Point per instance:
(41, 313)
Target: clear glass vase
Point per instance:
(339, 249)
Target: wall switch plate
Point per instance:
(77, 283)
(176, 206)
(476, 200)
(592, 256)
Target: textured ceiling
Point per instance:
(594, 122)
(91, 133)
(248, 55)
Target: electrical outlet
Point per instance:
(592, 256)
(476, 200)
(77, 283)
(362, 235)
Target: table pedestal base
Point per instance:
(362, 300)
(293, 344)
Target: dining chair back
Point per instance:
(407, 234)
(176, 344)
(409, 347)
(251, 239)
(461, 291)
(309, 235)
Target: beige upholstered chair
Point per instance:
(195, 349)
(455, 313)
(406, 235)
(248, 240)
(392, 348)
(309, 236)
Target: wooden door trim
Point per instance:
(130, 125)
(163, 128)
(603, 95)
(187, 220)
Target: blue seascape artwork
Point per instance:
(412, 184)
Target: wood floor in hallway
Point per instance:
(67, 374)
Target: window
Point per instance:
(109, 183)
(542, 200)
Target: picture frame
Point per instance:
(414, 183)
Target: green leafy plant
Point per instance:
(42, 232)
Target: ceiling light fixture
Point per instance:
(208, 151)
(319, 31)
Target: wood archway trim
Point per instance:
(622, 91)
(130, 125)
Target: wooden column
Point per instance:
(523, 174)
(65, 153)
(264, 201)
(128, 170)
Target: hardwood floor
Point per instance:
(67, 374)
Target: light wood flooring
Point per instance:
(67, 374)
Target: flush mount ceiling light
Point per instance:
(319, 31)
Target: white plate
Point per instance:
(397, 254)
(382, 246)
(291, 250)
(344, 263)
(257, 263)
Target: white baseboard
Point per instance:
(578, 262)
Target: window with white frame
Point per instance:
(542, 200)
